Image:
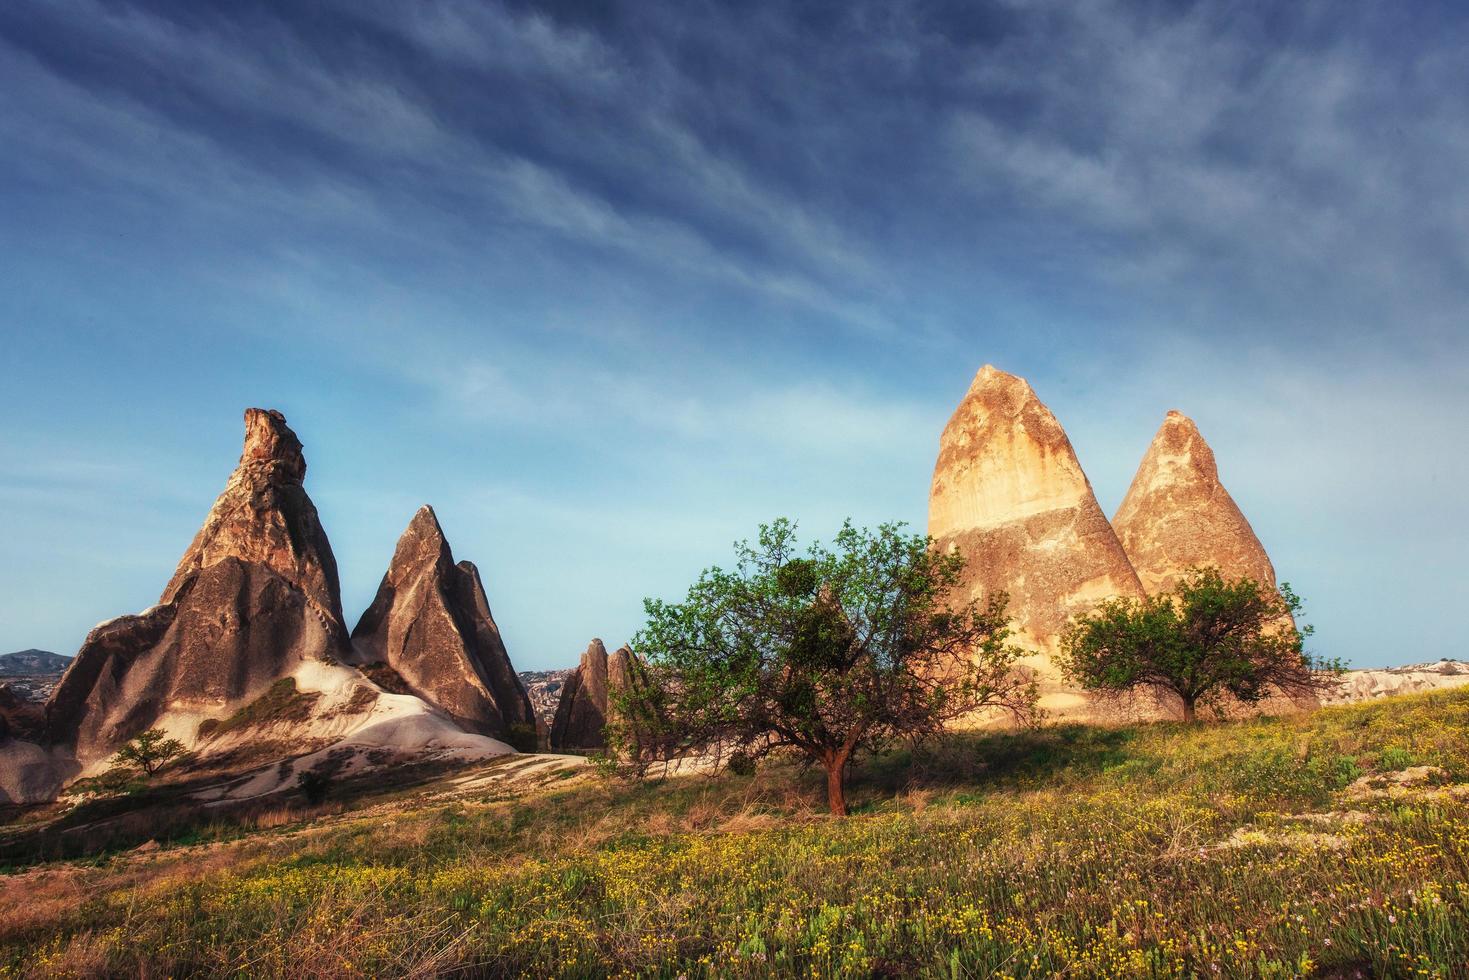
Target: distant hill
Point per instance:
(28, 662)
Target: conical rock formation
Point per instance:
(254, 596)
(1177, 515)
(431, 623)
(1009, 494)
(581, 714)
(588, 698)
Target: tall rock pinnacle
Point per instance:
(431, 622)
(1177, 514)
(581, 714)
(265, 517)
(254, 596)
(589, 698)
(1009, 494)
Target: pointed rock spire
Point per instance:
(264, 517)
(1177, 514)
(254, 596)
(581, 714)
(431, 622)
(1010, 495)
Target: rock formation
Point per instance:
(1177, 515)
(9, 705)
(431, 623)
(588, 697)
(581, 714)
(1371, 684)
(1010, 495)
(242, 658)
(254, 596)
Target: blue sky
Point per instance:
(609, 284)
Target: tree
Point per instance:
(830, 653)
(150, 751)
(1209, 637)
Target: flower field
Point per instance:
(1334, 844)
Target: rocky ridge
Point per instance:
(1373, 683)
(32, 663)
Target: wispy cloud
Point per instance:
(621, 279)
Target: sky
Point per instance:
(609, 284)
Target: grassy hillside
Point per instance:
(1242, 850)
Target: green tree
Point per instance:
(149, 751)
(831, 653)
(1208, 638)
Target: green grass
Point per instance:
(1232, 850)
(280, 702)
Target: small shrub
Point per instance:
(741, 763)
(1395, 759)
(315, 784)
(149, 752)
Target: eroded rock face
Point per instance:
(255, 595)
(581, 714)
(1177, 514)
(1010, 495)
(431, 622)
(1371, 684)
(264, 517)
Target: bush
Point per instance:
(741, 763)
(315, 784)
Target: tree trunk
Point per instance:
(836, 787)
(1189, 714)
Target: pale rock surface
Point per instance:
(431, 622)
(394, 728)
(1009, 494)
(1177, 514)
(1368, 685)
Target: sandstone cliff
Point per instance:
(431, 623)
(1177, 514)
(1010, 495)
